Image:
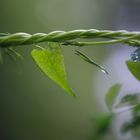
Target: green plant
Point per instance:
(50, 58)
(51, 61)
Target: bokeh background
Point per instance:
(35, 108)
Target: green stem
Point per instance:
(124, 40)
(70, 38)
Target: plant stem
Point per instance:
(70, 38)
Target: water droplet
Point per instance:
(135, 56)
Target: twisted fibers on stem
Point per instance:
(69, 38)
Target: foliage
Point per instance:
(103, 125)
(112, 94)
(134, 68)
(51, 61)
(87, 59)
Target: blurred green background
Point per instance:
(32, 106)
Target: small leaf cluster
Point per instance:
(130, 100)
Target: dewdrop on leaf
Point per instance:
(135, 56)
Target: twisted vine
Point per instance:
(71, 38)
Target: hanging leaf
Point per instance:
(87, 59)
(17, 54)
(112, 94)
(51, 62)
(11, 55)
(134, 68)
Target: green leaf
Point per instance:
(15, 53)
(87, 59)
(130, 99)
(11, 56)
(102, 123)
(134, 68)
(112, 94)
(51, 62)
